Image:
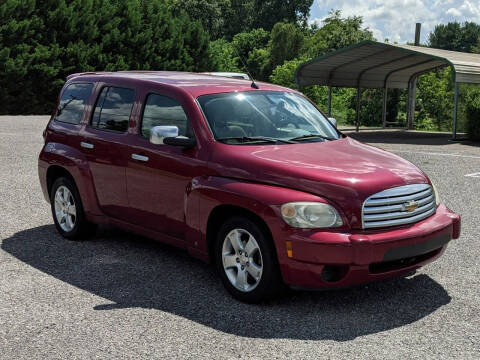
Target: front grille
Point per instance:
(398, 206)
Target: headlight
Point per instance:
(309, 215)
(435, 192)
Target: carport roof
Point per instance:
(371, 64)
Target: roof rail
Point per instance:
(233, 75)
(80, 74)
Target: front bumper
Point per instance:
(327, 259)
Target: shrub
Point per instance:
(472, 110)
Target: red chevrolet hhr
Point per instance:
(251, 177)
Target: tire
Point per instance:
(250, 277)
(67, 210)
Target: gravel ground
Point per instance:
(123, 296)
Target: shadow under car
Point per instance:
(131, 271)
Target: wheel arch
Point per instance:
(221, 213)
(57, 159)
(219, 198)
(54, 172)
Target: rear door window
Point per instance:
(72, 103)
(113, 109)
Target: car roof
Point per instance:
(194, 83)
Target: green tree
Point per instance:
(245, 15)
(258, 64)
(222, 56)
(267, 13)
(393, 101)
(455, 36)
(237, 17)
(28, 68)
(245, 42)
(336, 33)
(435, 100)
(284, 74)
(476, 48)
(41, 42)
(285, 43)
(473, 113)
(208, 12)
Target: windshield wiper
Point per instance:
(257, 138)
(311, 136)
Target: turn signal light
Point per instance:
(289, 249)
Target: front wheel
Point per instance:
(246, 261)
(67, 210)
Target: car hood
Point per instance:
(343, 171)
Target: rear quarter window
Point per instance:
(113, 109)
(72, 103)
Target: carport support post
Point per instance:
(411, 103)
(384, 107)
(357, 112)
(407, 103)
(455, 112)
(412, 84)
(329, 101)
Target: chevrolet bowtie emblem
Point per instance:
(410, 206)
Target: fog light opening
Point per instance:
(333, 273)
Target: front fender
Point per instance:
(261, 199)
(75, 162)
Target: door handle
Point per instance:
(86, 145)
(139, 157)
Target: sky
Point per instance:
(395, 19)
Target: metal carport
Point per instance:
(375, 65)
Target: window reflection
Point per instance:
(273, 114)
(162, 110)
(72, 103)
(113, 109)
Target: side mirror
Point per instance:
(180, 141)
(168, 135)
(159, 133)
(333, 121)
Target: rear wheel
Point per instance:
(67, 210)
(246, 261)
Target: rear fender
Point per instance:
(76, 164)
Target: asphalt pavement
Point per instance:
(121, 296)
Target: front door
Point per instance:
(159, 176)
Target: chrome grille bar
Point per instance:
(398, 206)
(399, 199)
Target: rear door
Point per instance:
(104, 142)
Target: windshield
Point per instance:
(265, 116)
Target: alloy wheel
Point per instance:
(65, 209)
(242, 260)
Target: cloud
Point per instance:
(454, 12)
(396, 19)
